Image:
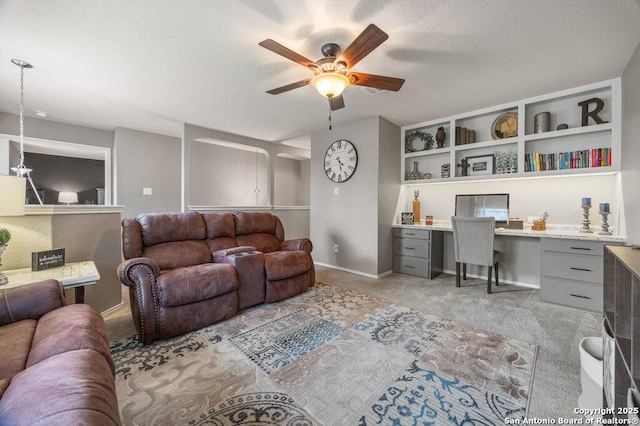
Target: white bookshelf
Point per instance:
(563, 108)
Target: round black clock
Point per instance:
(340, 161)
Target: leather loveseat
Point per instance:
(189, 270)
(55, 364)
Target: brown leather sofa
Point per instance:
(55, 364)
(189, 270)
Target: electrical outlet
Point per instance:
(147, 191)
(335, 191)
(335, 248)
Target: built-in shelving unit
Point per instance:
(575, 149)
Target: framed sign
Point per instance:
(42, 260)
(480, 165)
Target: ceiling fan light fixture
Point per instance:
(330, 84)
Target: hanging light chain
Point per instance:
(21, 165)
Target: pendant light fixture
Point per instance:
(22, 170)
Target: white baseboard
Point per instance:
(353, 271)
(112, 309)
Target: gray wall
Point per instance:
(359, 217)
(52, 130)
(191, 140)
(146, 160)
(388, 191)
(631, 146)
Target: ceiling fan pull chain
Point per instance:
(329, 114)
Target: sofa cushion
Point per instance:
(165, 227)
(73, 388)
(69, 328)
(285, 264)
(182, 286)
(255, 222)
(265, 243)
(179, 254)
(219, 225)
(15, 342)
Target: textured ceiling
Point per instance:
(153, 65)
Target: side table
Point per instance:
(72, 275)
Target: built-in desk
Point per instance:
(564, 263)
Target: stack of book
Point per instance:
(465, 136)
(596, 157)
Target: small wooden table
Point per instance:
(72, 275)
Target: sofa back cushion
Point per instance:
(258, 229)
(221, 231)
(174, 240)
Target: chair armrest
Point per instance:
(136, 270)
(220, 256)
(303, 244)
(30, 301)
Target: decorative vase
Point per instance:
(3, 277)
(415, 174)
(542, 122)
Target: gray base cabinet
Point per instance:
(622, 322)
(572, 273)
(417, 252)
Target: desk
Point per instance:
(552, 260)
(72, 275)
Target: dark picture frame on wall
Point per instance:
(481, 165)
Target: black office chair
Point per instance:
(473, 242)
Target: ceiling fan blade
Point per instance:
(378, 81)
(364, 44)
(288, 87)
(276, 47)
(336, 102)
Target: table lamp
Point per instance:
(67, 197)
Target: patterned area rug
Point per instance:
(326, 357)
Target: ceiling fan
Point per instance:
(332, 72)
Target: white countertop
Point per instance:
(559, 231)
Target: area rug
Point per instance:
(329, 356)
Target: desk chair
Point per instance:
(473, 242)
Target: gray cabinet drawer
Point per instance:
(423, 234)
(411, 247)
(411, 266)
(592, 248)
(572, 293)
(572, 267)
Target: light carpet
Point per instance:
(329, 356)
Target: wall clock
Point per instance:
(340, 161)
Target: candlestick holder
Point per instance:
(605, 224)
(585, 219)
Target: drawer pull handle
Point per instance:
(409, 266)
(581, 269)
(580, 296)
(410, 233)
(409, 248)
(580, 248)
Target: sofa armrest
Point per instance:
(303, 244)
(220, 256)
(30, 301)
(138, 269)
(140, 275)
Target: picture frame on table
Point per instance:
(406, 218)
(481, 165)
